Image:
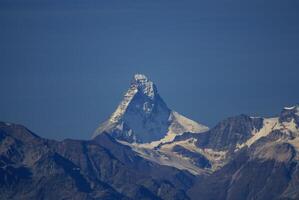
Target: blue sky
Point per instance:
(66, 64)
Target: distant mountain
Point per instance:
(147, 151)
(265, 166)
(219, 145)
(143, 116)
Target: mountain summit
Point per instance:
(143, 117)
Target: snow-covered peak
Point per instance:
(140, 86)
(144, 85)
(290, 113)
(294, 109)
(143, 117)
(289, 108)
(140, 77)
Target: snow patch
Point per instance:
(179, 124)
(216, 158)
(295, 108)
(167, 158)
(269, 125)
(289, 108)
(140, 77)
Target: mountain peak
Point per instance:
(290, 113)
(294, 108)
(143, 84)
(142, 116)
(140, 77)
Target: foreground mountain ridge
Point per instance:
(32, 167)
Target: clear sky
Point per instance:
(65, 64)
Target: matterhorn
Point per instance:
(143, 117)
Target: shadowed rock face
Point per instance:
(244, 179)
(266, 170)
(35, 168)
(290, 113)
(226, 134)
(198, 159)
(32, 169)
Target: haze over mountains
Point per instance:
(145, 150)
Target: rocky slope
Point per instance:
(35, 168)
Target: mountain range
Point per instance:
(145, 150)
